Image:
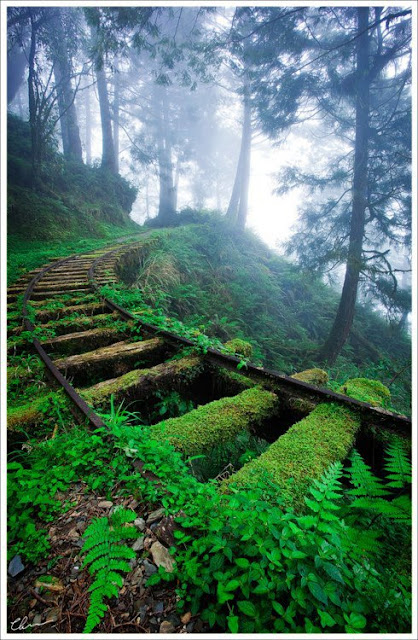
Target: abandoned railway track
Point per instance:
(100, 351)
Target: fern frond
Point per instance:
(362, 478)
(398, 467)
(106, 557)
(325, 492)
(122, 516)
(397, 509)
(97, 528)
(101, 549)
(361, 541)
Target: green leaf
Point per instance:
(357, 620)
(232, 585)
(242, 563)
(332, 571)
(278, 608)
(314, 506)
(247, 608)
(233, 623)
(326, 619)
(317, 591)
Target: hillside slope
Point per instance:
(74, 207)
(231, 285)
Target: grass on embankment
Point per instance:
(26, 254)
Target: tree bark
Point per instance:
(63, 70)
(346, 309)
(108, 149)
(166, 207)
(238, 205)
(16, 65)
(246, 158)
(87, 108)
(116, 102)
(35, 143)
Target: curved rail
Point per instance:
(271, 378)
(283, 384)
(77, 400)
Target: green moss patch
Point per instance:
(141, 382)
(317, 377)
(29, 414)
(216, 422)
(371, 391)
(240, 347)
(303, 453)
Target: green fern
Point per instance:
(370, 492)
(105, 557)
(398, 467)
(326, 492)
(362, 478)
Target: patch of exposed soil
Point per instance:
(60, 604)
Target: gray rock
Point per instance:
(140, 523)
(149, 568)
(161, 557)
(15, 566)
(105, 504)
(167, 627)
(136, 577)
(159, 607)
(138, 545)
(155, 515)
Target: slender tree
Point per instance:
(345, 314)
(61, 58)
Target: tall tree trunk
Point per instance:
(19, 104)
(166, 208)
(108, 150)
(87, 108)
(238, 204)
(176, 183)
(116, 103)
(246, 158)
(66, 94)
(16, 65)
(232, 211)
(35, 142)
(346, 309)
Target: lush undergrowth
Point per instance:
(70, 200)
(244, 562)
(231, 285)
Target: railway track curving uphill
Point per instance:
(100, 351)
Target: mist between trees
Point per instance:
(175, 99)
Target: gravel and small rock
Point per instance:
(54, 597)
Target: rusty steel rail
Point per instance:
(285, 384)
(77, 400)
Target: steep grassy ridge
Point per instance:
(231, 285)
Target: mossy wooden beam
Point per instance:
(78, 323)
(57, 285)
(304, 452)
(140, 383)
(229, 382)
(217, 422)
(317, 377)
(117, 359)
(79, 341)
(27, 415)
(46, 294)
(54, 314)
